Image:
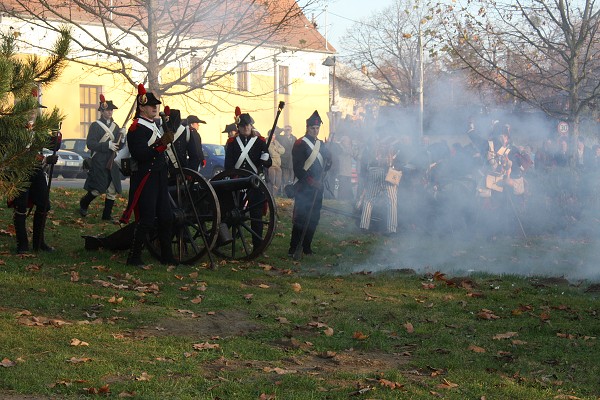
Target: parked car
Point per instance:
(214, 154)
(77, 146)
(69, 164)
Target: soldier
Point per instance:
(230, 130)
(310, 161)
(248, 151)
(149, 179)
(104, 140)
(193, 124)
(287, 140)
(35, 194)
(186, 141)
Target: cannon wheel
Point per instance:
(187, 241)
(235, 212)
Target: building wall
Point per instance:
(309, 90)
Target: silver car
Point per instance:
(69, 164)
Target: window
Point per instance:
(89, 98)
(242, 77)
(196, 75)
(284, 79)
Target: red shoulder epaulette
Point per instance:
(262, 138)
(231, 139)
(298, 140)
(133, 125)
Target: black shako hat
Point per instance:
(106, 104)
(192, 119)
(245, 119)
(230, 128)
(146, 98)
(314, 119)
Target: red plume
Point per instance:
(102, 99)
(167, 110)
(141, 89)
(238, 112)
(34, 92)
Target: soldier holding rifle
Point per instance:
(104, 140)
(311, 160)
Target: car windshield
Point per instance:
(214, 149)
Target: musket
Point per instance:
(279, 108)
(111, 159)
(57, 139)
(166, 128)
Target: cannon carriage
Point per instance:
(232, 216)
(220, 216)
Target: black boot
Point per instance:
(108, 206)
(295, 240)
(306, 243)
(166, 249)
(84, 203)
(38, 232)
(21, 232)
(135, 253)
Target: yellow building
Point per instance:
(254, 70)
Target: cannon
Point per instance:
(232, 216)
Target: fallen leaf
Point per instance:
(390, 384)
(206, 346)
(328, 332)
(6, 363)
(76, 360)
(476, 349)
(77, 342)
(282, 320)
(446, 384)
(506, 335)
(409, 327)
(359, 336)
(296, 287)
(143, 377)
(74, 276)
(487, 314)
(280, 371)
(263, 286)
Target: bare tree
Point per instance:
(141, 39)
(386, 48)
(544, 53)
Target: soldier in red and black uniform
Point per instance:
(310, 159)
(248, 151)
(149, 179)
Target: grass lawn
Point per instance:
(368, 317)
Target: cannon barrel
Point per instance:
(249, 182)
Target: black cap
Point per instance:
(245, 119)
(314, 119)
(107, 105)
(230, 128)
(146, 98)
(192, 119)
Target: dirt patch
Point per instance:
(314, 363)
(223, 324)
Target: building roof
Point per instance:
(268, 22)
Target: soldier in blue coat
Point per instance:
(104, 139)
